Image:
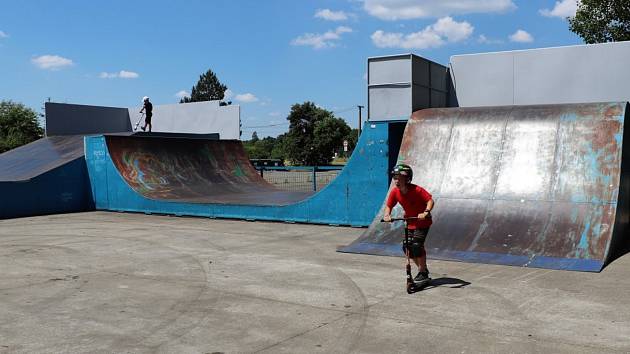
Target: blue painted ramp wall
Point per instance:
(536, 186)
(353, 198)
(47, 176)
(64, 189)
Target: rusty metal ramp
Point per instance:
(534, 186)
(194, 171)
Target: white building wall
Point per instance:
(197, 118)
(573, 74)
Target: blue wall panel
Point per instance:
(64, 189)
(353, 198)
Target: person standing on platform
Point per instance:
(147, 108)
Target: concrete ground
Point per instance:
(133, 283)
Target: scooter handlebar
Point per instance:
(407, 219)
(401, 219)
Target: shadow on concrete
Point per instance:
(446, 281)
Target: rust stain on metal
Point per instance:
(522, 185)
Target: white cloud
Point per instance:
(453, 31)
(122, 74)
(562, 9)
(485, 40)
(329, 15)
(228, 94)
(521, 36)
(417, 40)
(128, 74)
(443, 30)
(274, 114)
(324, 40)
(51, 62)
(181, 94)
(393, 10)
(246, 98)
(3, 34)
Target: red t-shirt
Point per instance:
(413, 202)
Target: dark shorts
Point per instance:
(416, 242)
(147, 119)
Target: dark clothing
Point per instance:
(148, 109)
(416, 242)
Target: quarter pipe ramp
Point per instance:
(539, 186)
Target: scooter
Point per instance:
(412, 285)
(138, 122)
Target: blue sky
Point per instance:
(271, 54)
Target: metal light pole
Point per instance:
(360, 107)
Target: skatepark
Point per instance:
(173, 243)
(135, 283)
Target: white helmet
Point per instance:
(145, 98)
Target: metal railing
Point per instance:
(299, 178)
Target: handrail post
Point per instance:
(314, 179)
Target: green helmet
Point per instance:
(402, 169)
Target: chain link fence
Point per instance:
(299, 179)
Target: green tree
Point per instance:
(250, 149)
(254, 137)
(598, 21)
(329, 136)
(265, 145)
(314, 134)
(260, 148)
(208, 88)
(352, 137)
(279, 148)
(18, 125)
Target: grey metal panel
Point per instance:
(529, 150)
(389, 70)
(74, 119)
(483, 79)
(194, 118)
(421, 98)
(438, 77)
(420, 71)
(388, 76)
(466, 178)
(577, 74)
(389, 102)
(573, 74)
(438, 99)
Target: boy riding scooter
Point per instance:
(417, 204)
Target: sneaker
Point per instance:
(421, 277)
(143, 128)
